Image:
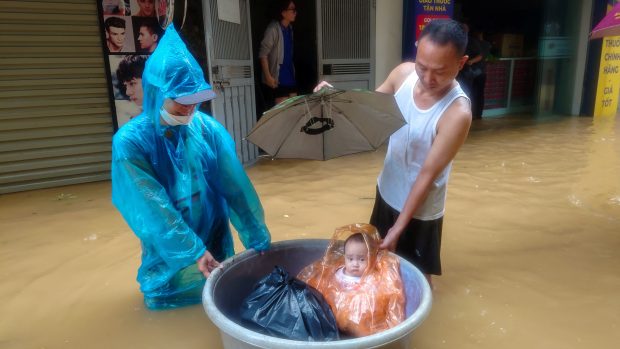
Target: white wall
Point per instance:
(388, 39)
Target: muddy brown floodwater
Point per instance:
(531, 246)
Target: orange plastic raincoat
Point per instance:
(376, 302)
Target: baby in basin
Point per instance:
(361, 283)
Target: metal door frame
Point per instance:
(223, 74)
(370, 76)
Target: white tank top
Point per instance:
(407, 151)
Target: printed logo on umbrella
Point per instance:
(326, 124)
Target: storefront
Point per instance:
(537, 56)
(59, 104)
(602, 79)
(55, 123)
(61, 99)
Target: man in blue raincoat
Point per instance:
(177, 182)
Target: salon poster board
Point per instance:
(130, 32)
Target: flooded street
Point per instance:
(531, 246)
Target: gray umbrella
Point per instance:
(327, 124)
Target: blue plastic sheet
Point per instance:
(178, 186)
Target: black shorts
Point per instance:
(284, 91)
(269, 96)
(280, 91)
(420, 242)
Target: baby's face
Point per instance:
(355, 258)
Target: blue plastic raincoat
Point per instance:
(178, 186)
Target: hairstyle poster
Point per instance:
(130, 32)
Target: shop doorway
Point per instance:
(333, 41)
(535, 64)
(262, 12)
(227, 36)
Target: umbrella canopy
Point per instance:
(609, 25)
(327, 124)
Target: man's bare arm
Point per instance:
(392, 82)
(396, 78)
(452, 131)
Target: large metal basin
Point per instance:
(228, 285)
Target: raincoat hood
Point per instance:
(335, 249)
(172, 72)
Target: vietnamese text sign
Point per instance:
(608, 87)
(428, 10)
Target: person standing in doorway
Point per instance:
(480, 75)
(470, 77)
(276, 55)
(411, 188)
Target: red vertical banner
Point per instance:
(428, 10)
(423, 20)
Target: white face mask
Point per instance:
(175, 120)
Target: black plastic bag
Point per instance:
(288, 308)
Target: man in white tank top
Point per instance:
(411, 188)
